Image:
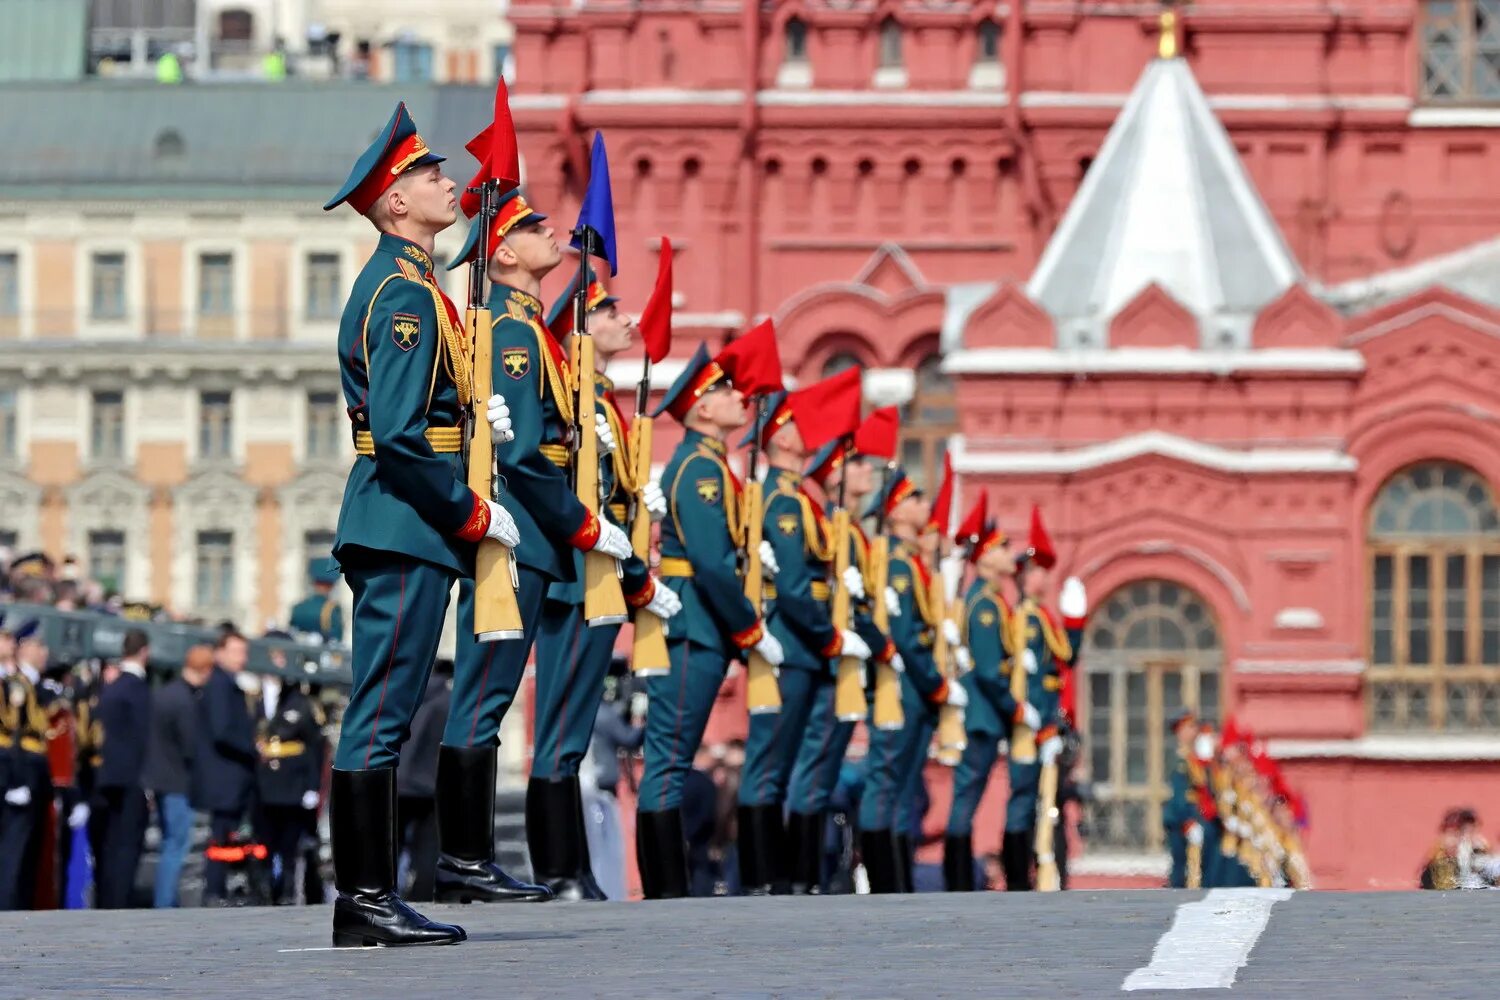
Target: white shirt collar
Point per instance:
(32, 674)
(133, 668)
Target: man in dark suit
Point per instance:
(120, 802)
(289, 733)
(224, 772)
(169, 766)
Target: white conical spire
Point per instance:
(1166, 202)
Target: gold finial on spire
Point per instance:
(1166, 45)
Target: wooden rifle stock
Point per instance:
(603, 600)
(1047, 879)
(762, 692)
(849, 704)
(648, 655)
(888, 713)
(1022, 739)
(496, 613)
(952, 739)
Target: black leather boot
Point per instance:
(958, 864)
(466, 869)
(362, 819)
(877, 849)
(1015, 858)
(661, 853)
(554, 833)
(750, 848)
(904, 862)
(804, 842)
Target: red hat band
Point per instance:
(397, 159)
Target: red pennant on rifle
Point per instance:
(973, 523)
(828, 410)
(942, 505)
(1040, 542)
(656, 318)
(497, 151)
(876, 437)
(752, 361)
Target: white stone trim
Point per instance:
(877, 98)
(889, 386)
(1333, 667)
(1227, 102)
(662, 95)
(1150, 361)
(890, 78)
(1437, 117)
(1299, 619)
(1395, 748)
(1413, 277)
(538, 102)
(795, 73)
(239, 255)
(21, 509)
(1247, 461)
(216, 500)
(25, 284)
(1113, 865)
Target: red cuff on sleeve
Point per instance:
(478, 522)
(587, 534)
(834, 646)
(887, 652)
(642, 597)
(1046, 733)
(940, 696)
(1019, 714)
(749, 637)
(1072, 623)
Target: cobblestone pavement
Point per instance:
(1079, 944)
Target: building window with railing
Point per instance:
(326, 425)
(1460, 51)
(107, 286)
(215, 284)
(324, 287)
(10, 293)
(1152, 649)
(9, 443)
(215, 576)
(215, 426)
(411, 61)
(107, 426)
(1434, 633)
(106, 555)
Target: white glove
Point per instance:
(1028, 660)
(898, 664)
(655, 501)
(892, 602)
(18, 796)
(854, 646)
(1073, 601)
(612, 541)
(768, 558)
(963, 659)
(951, 635)
(1195, 834)
(854, 582)
(957, 696)
(605, 436)
(309, 799)
(498, 414)
(78, 816)
(1030, 717)
(640, 702)
(1050, 748)
(502, 526)
(663, 604)
(769, 647)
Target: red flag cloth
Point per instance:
(497, 151)
(828, 410)
(656, 318)
(972, 526)
(876, 437)
(942, 505)
(752, 361)
(1041, 542)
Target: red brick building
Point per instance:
(1230, 317)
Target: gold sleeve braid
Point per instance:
(819, 537)
(624, 467)
(453, 346)
(558, 379)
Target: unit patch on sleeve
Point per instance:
(787, 523)
(708, 490)
(516, 361)
(901, 583)
(406, 330)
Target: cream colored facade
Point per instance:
(143, 478)
(463, 35)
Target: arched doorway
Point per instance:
(1434, 639)
(1152, 648)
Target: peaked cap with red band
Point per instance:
(1039, 546)
(560, 319)
(897, 488)
(992, 536)
(397, 149)
(776, 415)
(512, 212)
(701, 374)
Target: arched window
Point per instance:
(1434, 644)
(989, 42)
(927, 423)
(796, 40)
(842, 361)
(1152, 648)
(890, 45)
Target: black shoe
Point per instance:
(804, 841)
(958, 863)
(904, 862)
(361, 815)
(554, 828)
(877, 849)
(466, 870)
(661, 853)
(1015, 859)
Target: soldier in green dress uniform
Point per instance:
(409, 523)
(701, 540)
(319, 613)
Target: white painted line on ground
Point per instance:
(1209, 941)
(288, 951)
